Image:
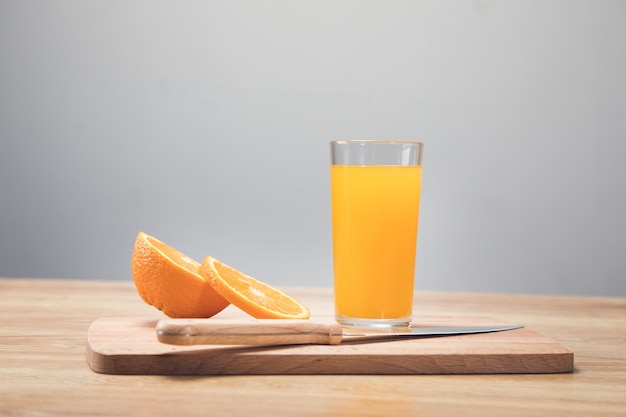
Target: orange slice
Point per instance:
(256, 298)
(171, 282)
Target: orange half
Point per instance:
(170, 281)
(256, 298)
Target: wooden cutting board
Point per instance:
(129, 346)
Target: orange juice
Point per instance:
(374, 218)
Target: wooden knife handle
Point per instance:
(256, 332)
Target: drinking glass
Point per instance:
(375, 195)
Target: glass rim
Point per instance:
(370, 152)
(391, 141)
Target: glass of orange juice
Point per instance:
(375, 195)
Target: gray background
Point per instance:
(206, 124)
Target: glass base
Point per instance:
(373, 323)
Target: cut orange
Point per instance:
(170, 281)
(256, 298)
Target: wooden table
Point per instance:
(43, 370)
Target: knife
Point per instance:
(292, 332)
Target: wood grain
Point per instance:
(130, 346)
(44, 371)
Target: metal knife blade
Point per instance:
(288, 332)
